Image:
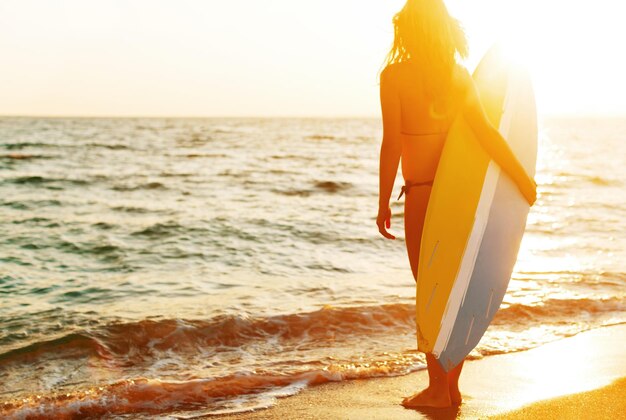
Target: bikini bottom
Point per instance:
(409, 185)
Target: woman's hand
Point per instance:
(383, 221)
(530, 191)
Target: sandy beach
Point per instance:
(606, 402)
(557, 380)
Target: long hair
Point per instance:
(426, 34)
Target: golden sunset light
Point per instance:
(312, 209)
(280, 57)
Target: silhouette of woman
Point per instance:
(422, 89)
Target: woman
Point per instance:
(422, 89)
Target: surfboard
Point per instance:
(475, 219)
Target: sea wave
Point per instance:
(140, 339)
(321, 137)
(329, 187)
(25, 144)
(145, 186)
(23, 156)
(111, 146)
(153, 396)
(300, 338)
(133, 342)
(38, 179)
(557, 310)
(125, 347)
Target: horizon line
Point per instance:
(278, 116)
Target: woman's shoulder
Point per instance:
(397, 70)
(390, 71)
(461, 78)
(462, 83)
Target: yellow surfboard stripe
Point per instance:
(451, 210)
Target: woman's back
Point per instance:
(423, 123)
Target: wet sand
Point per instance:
(493, 386)
(608, 402)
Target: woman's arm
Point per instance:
(390, 149)
(494, 144)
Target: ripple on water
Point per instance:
(38, 180)
(144, 186)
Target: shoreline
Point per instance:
(575, 370)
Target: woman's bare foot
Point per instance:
(428, 397)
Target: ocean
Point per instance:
(188, 267)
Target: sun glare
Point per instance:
(568, 46)
(280, 58)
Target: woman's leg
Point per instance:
(415, 204)
(438, 392)
(453, 383)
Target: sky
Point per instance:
(281, 57)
